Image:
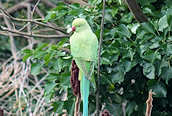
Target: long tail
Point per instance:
(85, 85)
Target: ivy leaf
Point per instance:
(148, 27)
(123, 31)
(149, 70)
(163, 23)
(151, 56)
(134, 28)
(169, 19)
(166, 74)
(118, 74)
(35, 69)
(154, 45)
(157, 87)
(169, 49)
(130, 108)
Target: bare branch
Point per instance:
(34, 35)
(35, 8)
(33, 21)
(29, 26)
(81, 2)
(99, 54)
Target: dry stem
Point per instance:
(149, 103)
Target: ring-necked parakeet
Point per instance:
(84, 47)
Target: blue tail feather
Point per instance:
(85, 85)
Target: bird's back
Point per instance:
(84, 45)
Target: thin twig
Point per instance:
(34, 35)
(29, 26)
(32, 21)
(12, 43)
(99, 54)
(34, 8)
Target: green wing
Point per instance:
(84, 45)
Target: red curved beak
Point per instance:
(73, 29)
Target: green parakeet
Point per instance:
(84, 48)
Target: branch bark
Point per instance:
(136, 10)
(34, 35)
(32, 21)
(149, 104)
(81, 2)
(99, 58)
(29, 26)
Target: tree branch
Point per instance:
(81, 2)
(99, 58)
(29, 26)
(136, 10)
(33, 21)
(33, 35)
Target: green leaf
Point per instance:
(27, 51)
(128, 65)
(127, 18)
(130, 108)
(58, 106)
(123, 31)
(149, 70)
(157, 87)
(51, 15)
(117, 77)
(49, 87)
(166, 74)
(163, 23)
(148, 27)
(134, 28)
(118, 74)
(25, 57)
(151, 55)
(169, 20)
(155, 45)
(35, 69)
(169, 49)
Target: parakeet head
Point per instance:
(79, 24)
